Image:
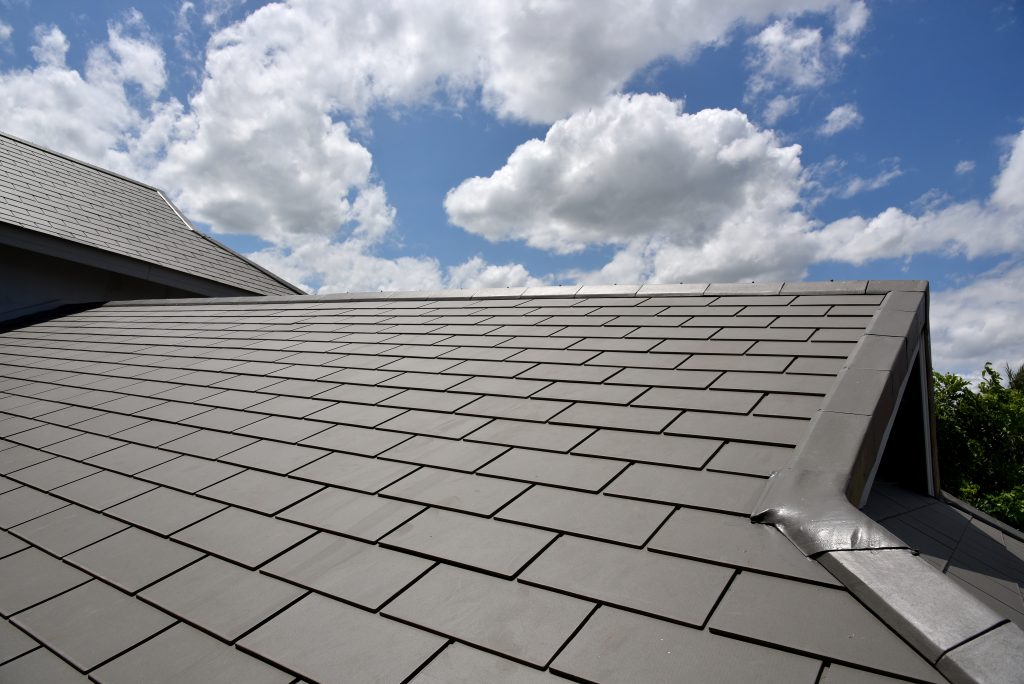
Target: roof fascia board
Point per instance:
(219, 244)
(34, 241)
(553, 291)
(810, 501)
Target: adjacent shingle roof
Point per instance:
(519, 485)
(51, 194)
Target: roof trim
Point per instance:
(576, 291)
(813, 501)
(12, 235)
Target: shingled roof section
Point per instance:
(542, 484)
(50, 194)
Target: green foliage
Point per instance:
(981, 441)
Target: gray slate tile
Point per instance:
(283, 429)
(277, 457)
(444, 453)
(52, 473)
(208, 443)
(22, 504)
(10, 544)
(600, 517)
(44, 436)
(489, 545)
(183, 654)
(697, 379)
(672, 588)
(260, 492)
(357, 414)
(574, 472)
(763, 429)
(327, 641)
(815, 620)
(350, 513)
(514, 408)
(247, 538)
(788, 406)
(31, 576)
(132, 458)
(189, 474)
(717, 491)
(700, 400)
(733, 540)
(13, 643)
(18, 457)
(623, 417)
(133, 559)
(620, 648)
(458, 491)
(354, 472)
(68, 529)
(775, 382)
(435, 424)
(353, 571)
(221, 597)
(460, 664)
(40, 667)
(356, 440)
(517, 621)
(751, 459)
(84, 446)
(164, 511)
(531, 435)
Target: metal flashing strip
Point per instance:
(811, 502)
(796, 288)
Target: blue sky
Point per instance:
(373, 145)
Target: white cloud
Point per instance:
(5, 31)
(685, 195)
(851, 20)
(841, 118)
(964, 167)
(891, 171)
(787, 56)
(981, 321)
(778, 107)
(1009, 190)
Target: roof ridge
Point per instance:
(798, 287)
(811, 501)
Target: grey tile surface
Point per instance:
(327, 641)
(133, 559)
(247, 538)
(40, 667)
(353, 571)
(260, 492)
(351, 513)
(10, 544)
(458, 491)
(601, 517)
(31, 576)
(444, 453)
(92, 623)
(53, 473)
(531, 435)
(520, 622)
(718, 491)
(23, 504)
(679, 451)
(460, 664)
(277, 457)
(489, 545)
(221, 597)
(751, 459)
(356, 440)
(68, 529)
(815, 620)
(164, 511)
(13, 642)
(354, 472)
(619, 647)
(189, 474)
(131, 458)
(672, 588)
(763, 429)
(184, 654)
(575, 472)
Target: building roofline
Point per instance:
(815, 502)
(185, 222)
(829, 287)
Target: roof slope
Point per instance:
(61, 197)
(429, 488)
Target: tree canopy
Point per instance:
(981, 441)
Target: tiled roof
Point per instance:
(49, 193)
(524, 485)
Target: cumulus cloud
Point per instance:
(5, 32)
(964, 167)
(778, 107)
(841, 118)
(980, 321)
(685, 194)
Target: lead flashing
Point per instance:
(811, 502)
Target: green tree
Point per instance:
(981, 441)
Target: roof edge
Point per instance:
(828, 287)
(813, 501)
(221, 245)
